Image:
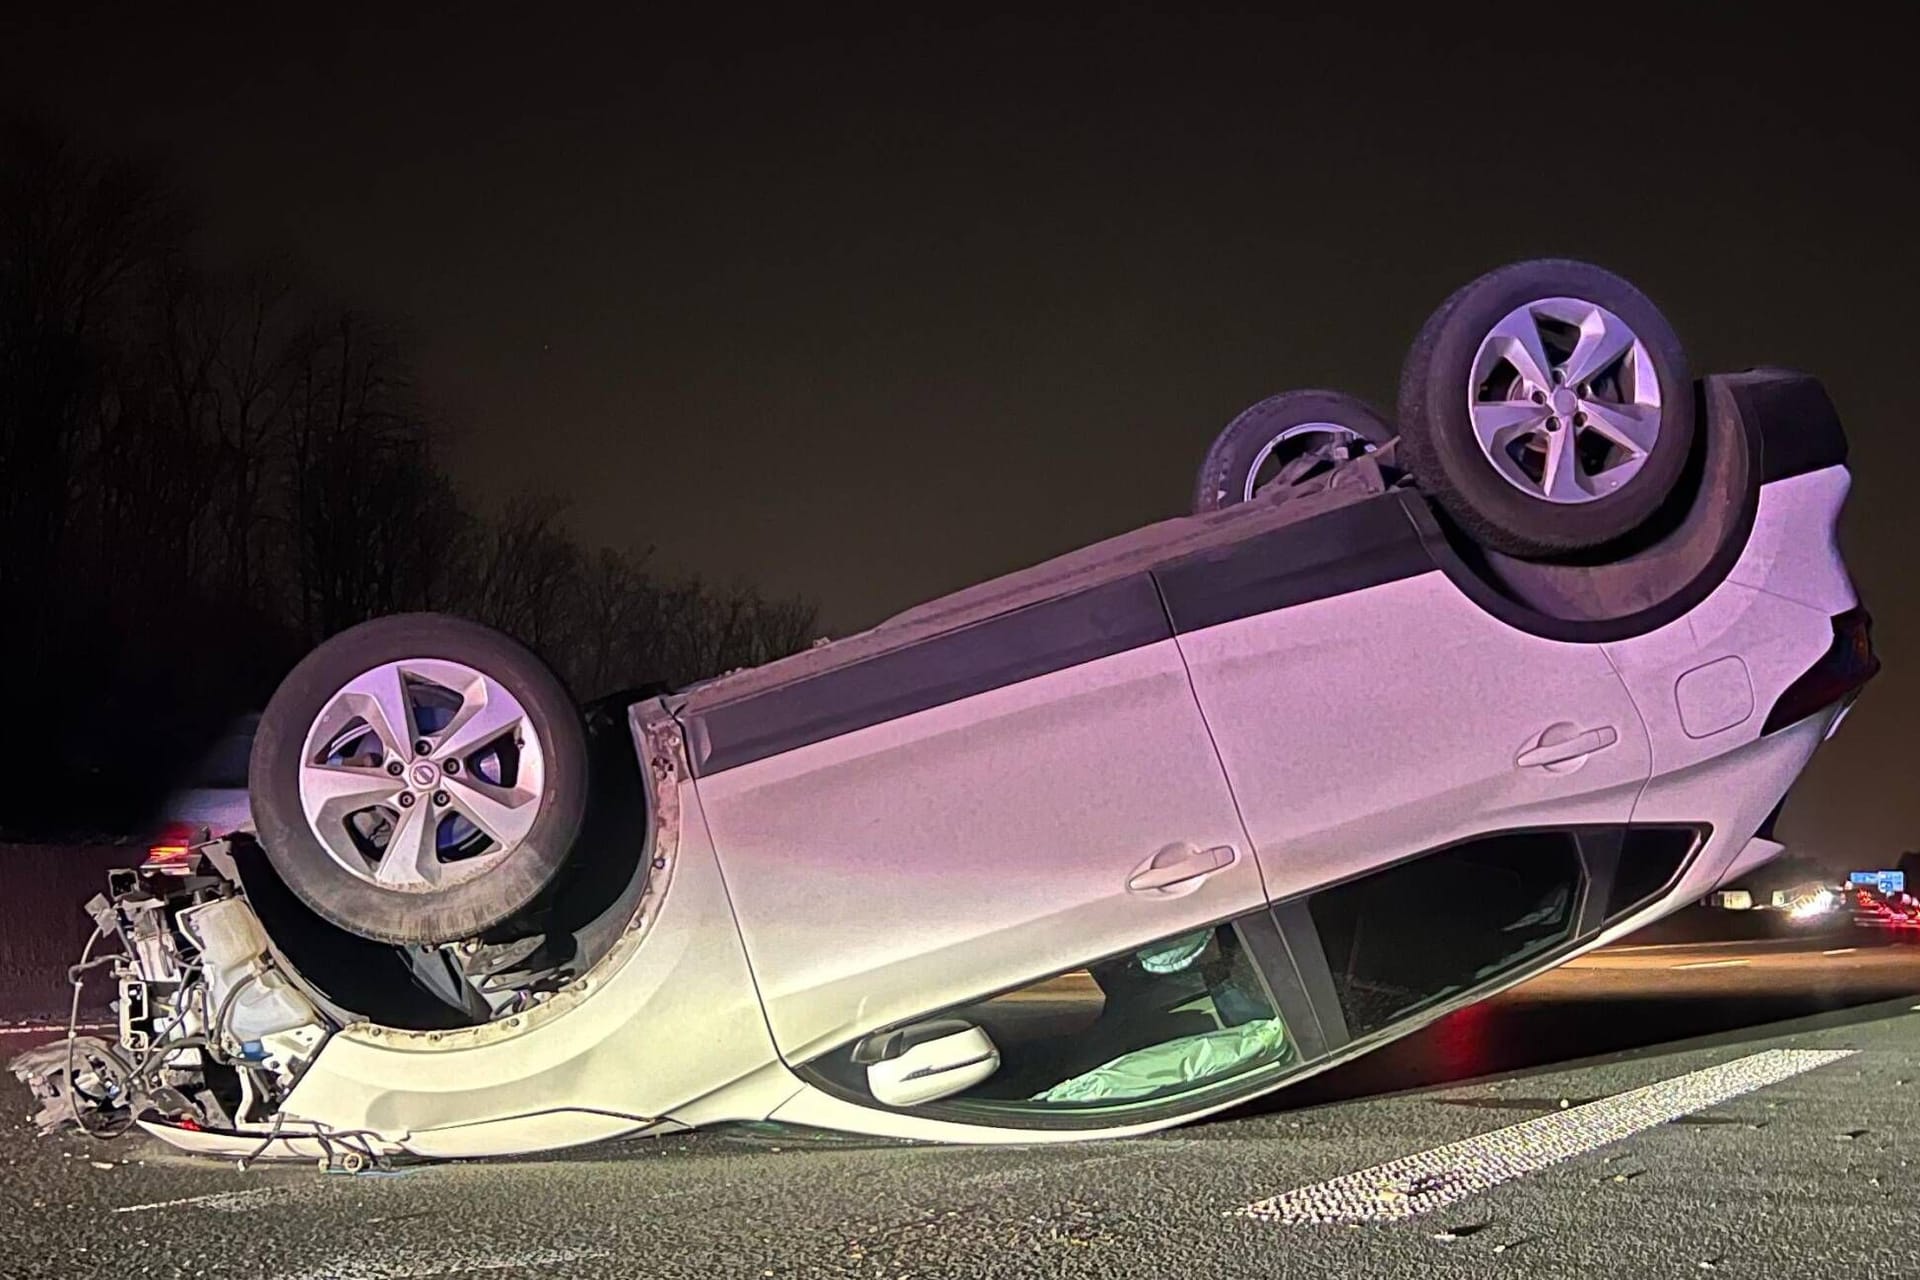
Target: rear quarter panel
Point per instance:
(1770, 620)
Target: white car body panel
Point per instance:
(911, 863)
(1773, 616)
(592, 1064)
(1757, 853)
(1795, 547)
(1411, 768)
(1771, 638)
(1733, 793)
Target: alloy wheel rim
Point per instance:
(421, 774)
(1564, 400)
(1332, 433)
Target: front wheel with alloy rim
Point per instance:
(1547, 406)
(418, 779)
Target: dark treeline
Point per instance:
(203, 474)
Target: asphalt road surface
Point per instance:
(1738, 1109)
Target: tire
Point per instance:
(1255, 444)
(1624, 437)
(520, 770)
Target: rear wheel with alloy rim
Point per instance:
(1547, 406)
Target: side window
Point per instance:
(1651, 859)
(1204, 1016)
(1184, 1015)
(1412, 935)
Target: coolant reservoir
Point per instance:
(233, 950)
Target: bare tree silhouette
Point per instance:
(201, 476)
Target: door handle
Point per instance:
(1580, 744)
(1177, 865)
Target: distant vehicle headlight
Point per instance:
(1807, 908)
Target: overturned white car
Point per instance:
(1398, 718)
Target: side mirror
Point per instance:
(926, 1062)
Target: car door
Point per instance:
(1365, 710)
(964, 815)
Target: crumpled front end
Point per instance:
(212, 1030)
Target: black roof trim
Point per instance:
(1034, 641)
(1800, 429)
(1343, 550)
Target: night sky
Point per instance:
(868, 307)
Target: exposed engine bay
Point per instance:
(213, 1031)
(225, 987)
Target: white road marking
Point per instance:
(1154, 1149)
(419, 1264)
(1437, 1178)
(1627, 949)
(1710, 964)
(1840, 951)
(218, 1201)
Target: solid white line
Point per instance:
(1840, 951)
(1634, 948)
(417, 1264)
(219, 1201)
(1437, 1178)
(1711, 964)
(1073, 1167)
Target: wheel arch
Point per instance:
(1759, 426)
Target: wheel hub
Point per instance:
(1564, 400)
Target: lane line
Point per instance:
(218, 1201)
(1840, 951)
(1154, 1149)
(1711, 964)
(1442, 1176)
(418, 1264)
(1638, 948)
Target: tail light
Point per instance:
(172, 847)
(1848, 663)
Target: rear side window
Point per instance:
(1410, 936)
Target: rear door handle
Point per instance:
(1580, 744)
(1175, 865)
